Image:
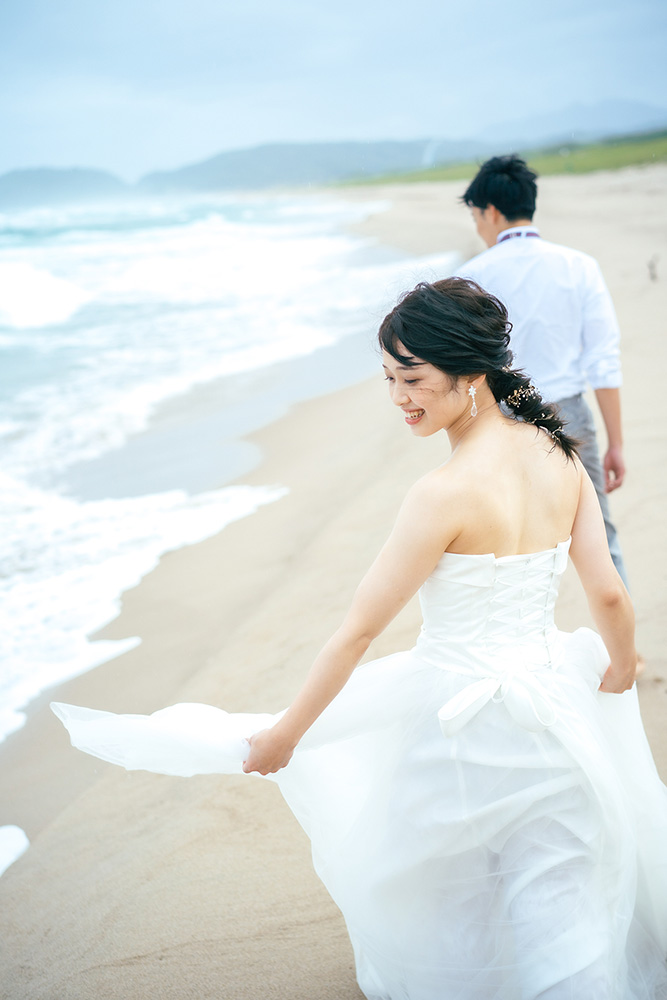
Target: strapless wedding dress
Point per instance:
(491, 825)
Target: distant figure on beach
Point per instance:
(564, 329)
(483, 808)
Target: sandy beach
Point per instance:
(137, 885)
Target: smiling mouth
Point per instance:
(412, 416)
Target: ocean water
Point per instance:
(138, 344)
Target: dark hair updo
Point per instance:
(459, 328)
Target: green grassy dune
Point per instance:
(610, 154)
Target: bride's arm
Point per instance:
(425, 526)
(608, 600)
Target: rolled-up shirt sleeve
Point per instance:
(601, 337)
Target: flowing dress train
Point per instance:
(491, 826)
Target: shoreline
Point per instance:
(148, 495)
(142, 880)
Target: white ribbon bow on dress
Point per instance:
(524, 696)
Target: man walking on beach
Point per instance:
(564, 329)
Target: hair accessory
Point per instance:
(521, 393)
(472, 392)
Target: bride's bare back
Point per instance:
(518, 491)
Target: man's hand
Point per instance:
(614, 469)
(609, 401)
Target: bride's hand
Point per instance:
(268, 752)
(616, 681)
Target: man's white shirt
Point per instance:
(565, 333)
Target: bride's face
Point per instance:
(430, 400)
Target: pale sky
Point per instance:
(137, 85)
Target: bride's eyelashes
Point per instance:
(407, 381)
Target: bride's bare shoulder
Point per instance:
(432, 508)
(447, 482)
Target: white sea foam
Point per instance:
(63, 565)
(104, 314)
(126, 366)
(30, 296)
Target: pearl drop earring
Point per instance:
(472, 392)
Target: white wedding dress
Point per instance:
(491, 825)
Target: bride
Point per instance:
(483, 808)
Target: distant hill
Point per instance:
(261, 167)
(297, 164)
(562, 158)
(49, 186)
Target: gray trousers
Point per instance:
(579, 423)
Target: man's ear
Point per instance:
(494, 215)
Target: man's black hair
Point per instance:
(506, 182)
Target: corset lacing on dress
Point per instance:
(512, 598)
